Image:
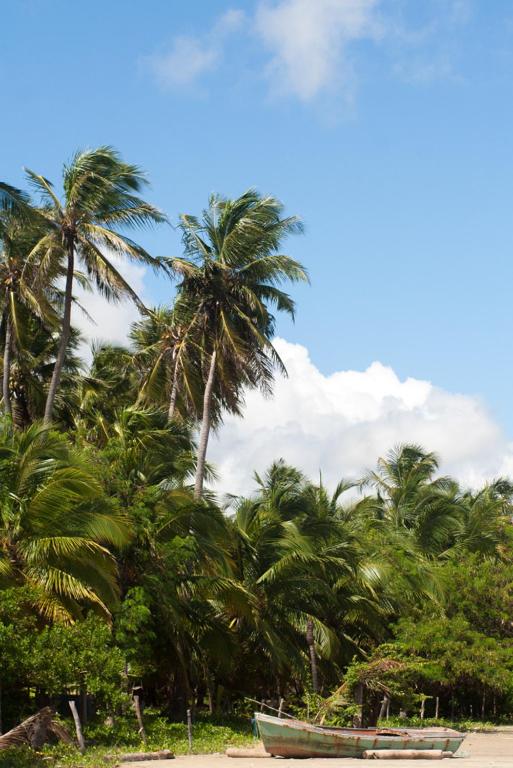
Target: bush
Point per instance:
(21, 757)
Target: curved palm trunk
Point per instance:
(313, 658)
(7, 365)
(173, 395)
(205, 428)
(65, 332)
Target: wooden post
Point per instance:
(483, 702)
(83, 698)
(78, 726)
(138, 714)
(358, 719)
(422, 708)
(388, 708)
(437, 707)
(189, 729)
(280, 707)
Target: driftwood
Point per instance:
(405, 754)
(60, 732)
(247, 752)
(136, 757)
(31, 732)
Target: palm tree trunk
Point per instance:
(173, 396)
(65, 332)
(7, 365)
(205, 428)
(313, 658)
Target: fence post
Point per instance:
(189, 728)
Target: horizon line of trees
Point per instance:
(117, 561)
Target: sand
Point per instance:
(479, 750)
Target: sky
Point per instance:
(385, 124)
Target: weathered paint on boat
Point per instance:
(294, 738)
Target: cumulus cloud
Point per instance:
(341, 423)
(309, 40)
(189, 57)
(109, 321)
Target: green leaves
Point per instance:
(100, 199)
(55, 525)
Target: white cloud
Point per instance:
(341, 423)
(190, 57)
(309, 40)
(112, 320)
(310, 44)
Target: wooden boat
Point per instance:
(294, 738)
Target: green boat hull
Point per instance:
(293, 738)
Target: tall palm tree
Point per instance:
(230, 278)
(100, 198)
(55, 524)
(23, 292)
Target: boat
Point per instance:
(294, 738)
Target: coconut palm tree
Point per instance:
(55, 524)
(411, 499)
(170, 373)
(100, 198)
(313, 588)
(24, 293)
(230, 278)
(31, 371)
(485, 522)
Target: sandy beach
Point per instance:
(479, 750)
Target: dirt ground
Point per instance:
(479, 750)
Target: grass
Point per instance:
(105, 744)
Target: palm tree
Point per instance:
(31, 372)
(170, 373)
(100, 197)
(411, 499)
(55, 524)
(299, 559)
(24, 292)
(13, 199)
(485, 525)
(230, 276)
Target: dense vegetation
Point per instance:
(118, 568)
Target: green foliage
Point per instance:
(134, 631)
(57, 658)
(209, 735)
(55, 522)
(116, 572)
(22, 757)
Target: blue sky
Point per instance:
(386, 125)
